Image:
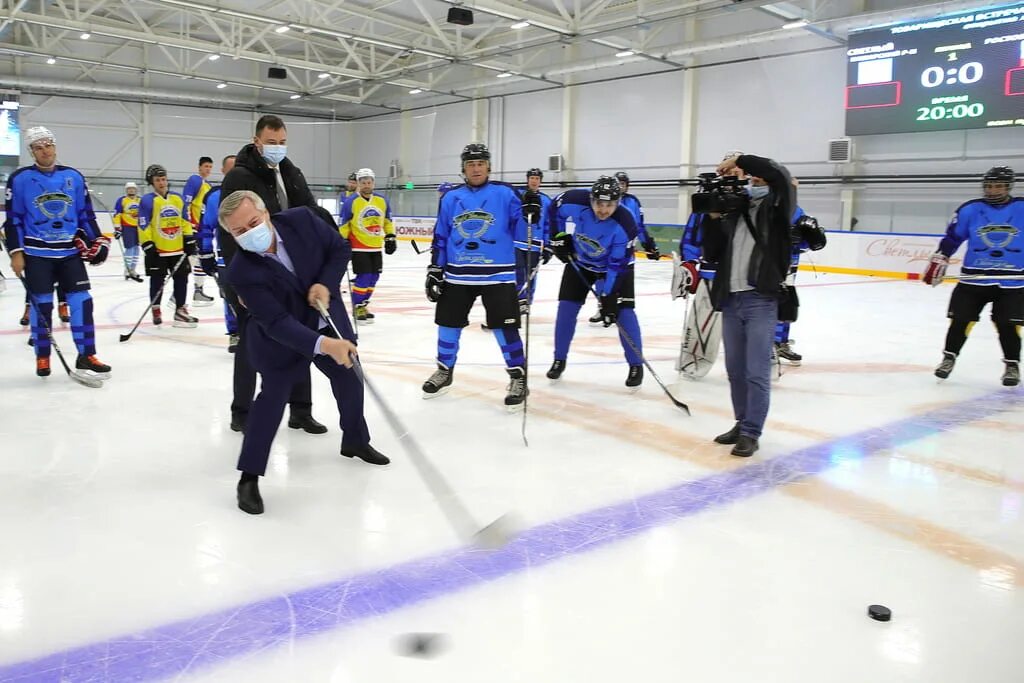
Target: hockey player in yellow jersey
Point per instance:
(126, 229)
(196, 189)
(166, 236)
(366, 224)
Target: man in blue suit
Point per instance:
(287, 263)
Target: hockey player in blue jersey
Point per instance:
(992, 272)
(210, 256)
(631, 203)
(51, 230)
(807, 235)
(591, 229)
(527, 259)
(473, 254)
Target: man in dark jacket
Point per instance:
(751, 248)
(263, 167)
(291, 262)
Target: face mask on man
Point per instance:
(274, 154)
(758, 191)
(257, 239)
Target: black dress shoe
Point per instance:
(307, 424)
(730, 437)
(249, 499)
(367, 454)
(745, 447)
(238, 424)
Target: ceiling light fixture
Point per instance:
(415, 91)
(85, 36)
(521, 24)
(295, 97)
(799, 23)
(213, 57)
(323, 75)
(504, 75)
(282, 29)
(221, 86)
(625, 53)
(51, 60)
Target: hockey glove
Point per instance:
(390, 244)
(811, 232)
(98, 251)
(208, 262)
(651, 247)
(531, 206)
(151, 257)
(191, 246)
(561, 246)
(117, 233)
(609, 308)
(435, 282)
(936, 269)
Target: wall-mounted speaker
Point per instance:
(460, 16)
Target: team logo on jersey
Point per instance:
(588, 246)
(169, 225)
(997, 236)
(473, 225)
(53, 204)
(370, 221)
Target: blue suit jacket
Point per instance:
(286, 328)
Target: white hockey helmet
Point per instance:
(38, 133)
(365, 173)
(130, 186)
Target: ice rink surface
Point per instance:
(645, 552)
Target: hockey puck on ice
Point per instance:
(879, 612)
(423, 645)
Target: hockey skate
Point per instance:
(556, 369)
(517, 389)
(43, 366)
(63, 313)
(1011, 375)
(635, 377)
(132, 275)
(438, 383)
(183, 319)
(201, 298)
(93, 367)
(787, 355)
(596, 319)
(232, 343)
(946, 366)
(24, 316)
(363, 314)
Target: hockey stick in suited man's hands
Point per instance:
(496, 534)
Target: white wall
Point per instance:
(785, 107)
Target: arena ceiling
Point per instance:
(349, 59)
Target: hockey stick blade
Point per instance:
(154, 300)
(416, 247)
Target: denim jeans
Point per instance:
(748, 330)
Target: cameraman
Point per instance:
(750, 247)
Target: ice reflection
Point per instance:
(902, 644)
(1001, 577)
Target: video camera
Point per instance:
(720, 194)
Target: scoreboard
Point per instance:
(953, 72)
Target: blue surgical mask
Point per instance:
(275, 153)
(758, 191)
(256, 240)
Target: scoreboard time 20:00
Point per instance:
(959, 71)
